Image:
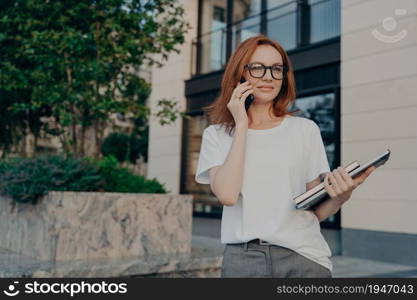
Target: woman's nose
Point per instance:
(268, 75)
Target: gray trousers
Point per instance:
(255, 260)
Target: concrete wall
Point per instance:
(164, 161)
(379, 111)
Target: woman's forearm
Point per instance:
(327, 208)
(229, 177)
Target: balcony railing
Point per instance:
(291, 24)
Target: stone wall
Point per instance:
(66, 226)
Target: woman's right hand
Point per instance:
(236, 104)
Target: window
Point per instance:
(324, 20)
(293, 23)
(243, 9)
(213, 39)
(219, 14)
(247, 19)
(282, 22)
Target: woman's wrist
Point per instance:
(327, 208)
(336, 203)
(241, 126)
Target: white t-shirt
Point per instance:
(279, 161)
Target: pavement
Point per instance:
(206, 235)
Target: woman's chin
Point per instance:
(260, 100)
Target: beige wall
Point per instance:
(164, 161)
(379, 112)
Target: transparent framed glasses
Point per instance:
(258, 70)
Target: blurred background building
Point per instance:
(355, 68)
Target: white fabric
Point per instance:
(278, 163)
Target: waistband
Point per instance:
(254, 241)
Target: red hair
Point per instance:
(219, 113)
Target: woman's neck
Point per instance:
(261, 114)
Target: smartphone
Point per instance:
(249, 99)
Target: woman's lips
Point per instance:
(267, 89)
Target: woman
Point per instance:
(257, 161)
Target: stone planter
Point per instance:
(67, 226)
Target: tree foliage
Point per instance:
(67, 65)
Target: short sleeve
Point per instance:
(317, 162)
(210, 155)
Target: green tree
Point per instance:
(77, 62)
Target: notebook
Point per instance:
(312, 198)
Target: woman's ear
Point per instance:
(243, 78)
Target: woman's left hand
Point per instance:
(342, 184)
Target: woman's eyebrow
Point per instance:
(259, 62)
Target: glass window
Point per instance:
(320, 109)
(213, 39)
(274, 3)
(282, 22)
(219, 14)
(213, 15)
(325, 19)
(245, 8)
(247, 15)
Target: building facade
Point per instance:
(347, 78)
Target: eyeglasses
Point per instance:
(258, 70)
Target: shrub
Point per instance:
(121, 180)
(28, 179)
(25, 180)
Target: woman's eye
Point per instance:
(257, 68)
